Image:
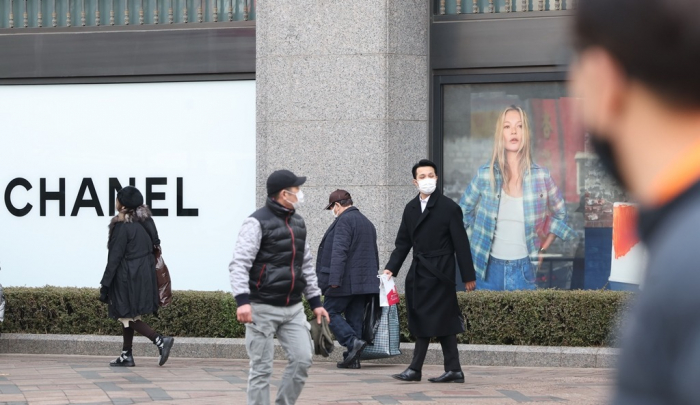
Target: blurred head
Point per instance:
(512, 137)
(637, 60)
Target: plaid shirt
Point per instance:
(545, 212)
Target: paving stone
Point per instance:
(60, 379)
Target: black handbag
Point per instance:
(370, 322)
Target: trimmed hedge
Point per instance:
(541, 318)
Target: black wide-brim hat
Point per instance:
(130, 197)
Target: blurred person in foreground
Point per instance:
(637, 75)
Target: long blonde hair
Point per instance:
(499, 149)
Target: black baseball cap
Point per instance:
(281, 179)
(337, 195)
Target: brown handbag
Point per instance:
(165, 293)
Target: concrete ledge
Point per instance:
(470, 355)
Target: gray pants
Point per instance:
(292, 330)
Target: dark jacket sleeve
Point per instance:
(402, 245)
(150, 226)
(117, 251)
(460, 242)
(342, 239)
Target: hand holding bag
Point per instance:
(388, 295)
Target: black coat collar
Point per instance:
(431, 204)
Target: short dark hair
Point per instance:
(423, 163)
(656, 42)
(345, 203)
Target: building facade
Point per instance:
(349, 94)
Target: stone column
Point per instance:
(342, 98)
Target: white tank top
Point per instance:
(509, 237)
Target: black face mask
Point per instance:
(606, 155)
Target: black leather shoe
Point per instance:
(408, 375)
(357, 347)
(354, 365)
(449, 377)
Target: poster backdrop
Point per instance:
(189, 147)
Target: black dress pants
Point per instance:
(449, 352)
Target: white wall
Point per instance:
(203, 132)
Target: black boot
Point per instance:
(354, 365)
(124, 360)
(164, 343)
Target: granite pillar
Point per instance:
(342, 98)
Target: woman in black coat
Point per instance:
(129, 283)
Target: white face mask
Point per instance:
(300, 199)
(333, 212)
(427, 186)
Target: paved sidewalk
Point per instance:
(59, 379)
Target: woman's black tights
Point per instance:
(140, 327)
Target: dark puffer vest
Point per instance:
(276, 277)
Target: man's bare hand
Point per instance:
(470, 286)
(244, 313)
(388, 273)
(321, 312)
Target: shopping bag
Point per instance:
(386, 338)
(165, 294)
(370, 322)
(388, 295)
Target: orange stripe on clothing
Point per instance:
(679, 177)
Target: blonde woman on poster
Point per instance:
(512, 210)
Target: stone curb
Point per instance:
(469, 355)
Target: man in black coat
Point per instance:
(432, 226)
(347, 266)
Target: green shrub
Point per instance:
(543, 317)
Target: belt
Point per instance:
(423, 259)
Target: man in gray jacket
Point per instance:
(347, 267)
(272, 266)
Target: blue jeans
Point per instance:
(346, 329)
(505, 275)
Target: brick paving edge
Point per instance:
(470, 355)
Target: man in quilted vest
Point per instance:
(272, 267)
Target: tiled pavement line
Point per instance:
(325, 385)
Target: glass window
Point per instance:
(559, 200)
